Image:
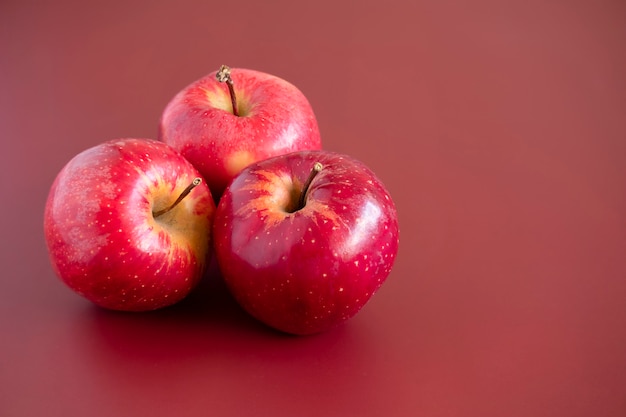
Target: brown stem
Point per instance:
(223, 75)
(182, 195)
(305, 188)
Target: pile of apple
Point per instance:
(303, 237)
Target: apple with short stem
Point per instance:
(304, 240)
(127, 225)
(233, 117)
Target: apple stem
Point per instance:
(305, 189)
(182, 195)
(223, 75)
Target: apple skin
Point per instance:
(274, 118)
(305, 271)
(102, 237)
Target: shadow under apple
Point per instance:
(207, 345)
(208, 321)
(196, 325)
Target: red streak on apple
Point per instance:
(103, 239)
(304, 270)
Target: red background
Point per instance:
(499, 129)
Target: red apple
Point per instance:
(271, 117)
(124, 228)
(304, 240)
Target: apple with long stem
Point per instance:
(304, 240)
(128, 223)
(233, 117)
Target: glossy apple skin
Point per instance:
(102, 237)
(275, 118)
(305, 271)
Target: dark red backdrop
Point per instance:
(499, 128)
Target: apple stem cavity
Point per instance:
(180, 198)
(305, 188)
(223, 76)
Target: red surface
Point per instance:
(498, 127)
